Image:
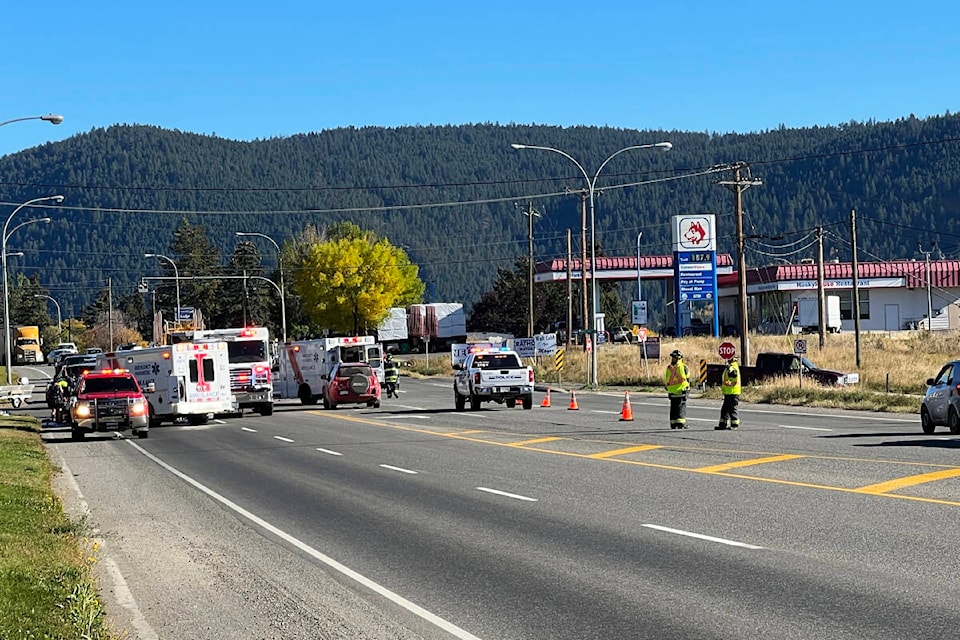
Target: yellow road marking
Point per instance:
(472, 431)
(668, 467)
(745, 463)
(620, 452)
(909, 481)
(534, 441)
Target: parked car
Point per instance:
(623, 334)
(53, 358)
(351, 383)
(941, 403)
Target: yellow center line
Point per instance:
(534, 441)
(745, 463)
(620, 452)
(668, 467)
(471, 431)
(909, 481)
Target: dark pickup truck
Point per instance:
(774, 365)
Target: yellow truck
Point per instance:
(26, 345)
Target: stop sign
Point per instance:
(727, 350)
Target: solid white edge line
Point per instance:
(282, 439)
(328, 451)
(690, 534)
(787, 426)
(508, 495)
(404, 406)
(400, 469)
(415, 609)
(219, 421)
(121, 590)
(248, 429)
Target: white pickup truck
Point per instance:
(492, 375)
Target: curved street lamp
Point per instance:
(176, 280)
(591, 190)
(3, 256)
(59, 317)
(52, 118)
(283, 303)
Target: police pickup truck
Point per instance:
(497, 375)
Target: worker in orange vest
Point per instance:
(677, 382)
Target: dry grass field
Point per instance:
(893, 367)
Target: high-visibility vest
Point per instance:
(676, 378)
(730, 382)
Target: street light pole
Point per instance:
(52, 118)
(283, 293)
(59, 317)
(591, 189)
(176, 280)
(3, 257)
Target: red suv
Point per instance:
(351, 383)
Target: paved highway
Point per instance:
(413, 520)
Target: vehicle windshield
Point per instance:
(247, 351)
(108, 385)
(496, 361)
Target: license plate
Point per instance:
(504, 389)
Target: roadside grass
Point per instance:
(893, 368)
(46, 584)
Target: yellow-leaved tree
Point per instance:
(348, 279)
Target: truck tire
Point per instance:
(197, 419)
(76, 433)
(512, 403)
(265, 409)
(528, 402)
(305, 395)
(459, 402)
(153, 420)
(143, 434)
(16, 402)
(474, 402)
(925, 422)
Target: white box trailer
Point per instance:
(808, 314)
(183, 380)
(304, 364)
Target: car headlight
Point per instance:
(82, 410)
(138, 408)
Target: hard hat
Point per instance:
(732, 359)
(389, 357)
(676, 354)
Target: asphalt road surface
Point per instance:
(415, 521)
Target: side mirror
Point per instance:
(930, 382)
(458, 367)
(150, 388)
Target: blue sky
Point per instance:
(246, 70)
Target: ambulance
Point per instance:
(248, 349)
(184, 380)
(305, 365)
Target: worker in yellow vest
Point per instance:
(730, 385)
(677, 382)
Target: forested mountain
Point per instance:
(452, 195)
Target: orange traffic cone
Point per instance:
(546, 399)
(573, 402)
(626, 411)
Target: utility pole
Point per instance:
(110, 310)
(821, 301)
(583, 273)
(926, 255)
(856, 288)
(738, 185)
(530, 213)
(569, 287)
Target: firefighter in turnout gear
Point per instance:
(730, 385)
(391, 376)
(677, 382)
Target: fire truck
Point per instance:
(248, 349)
(184, 380)
(305, 365)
